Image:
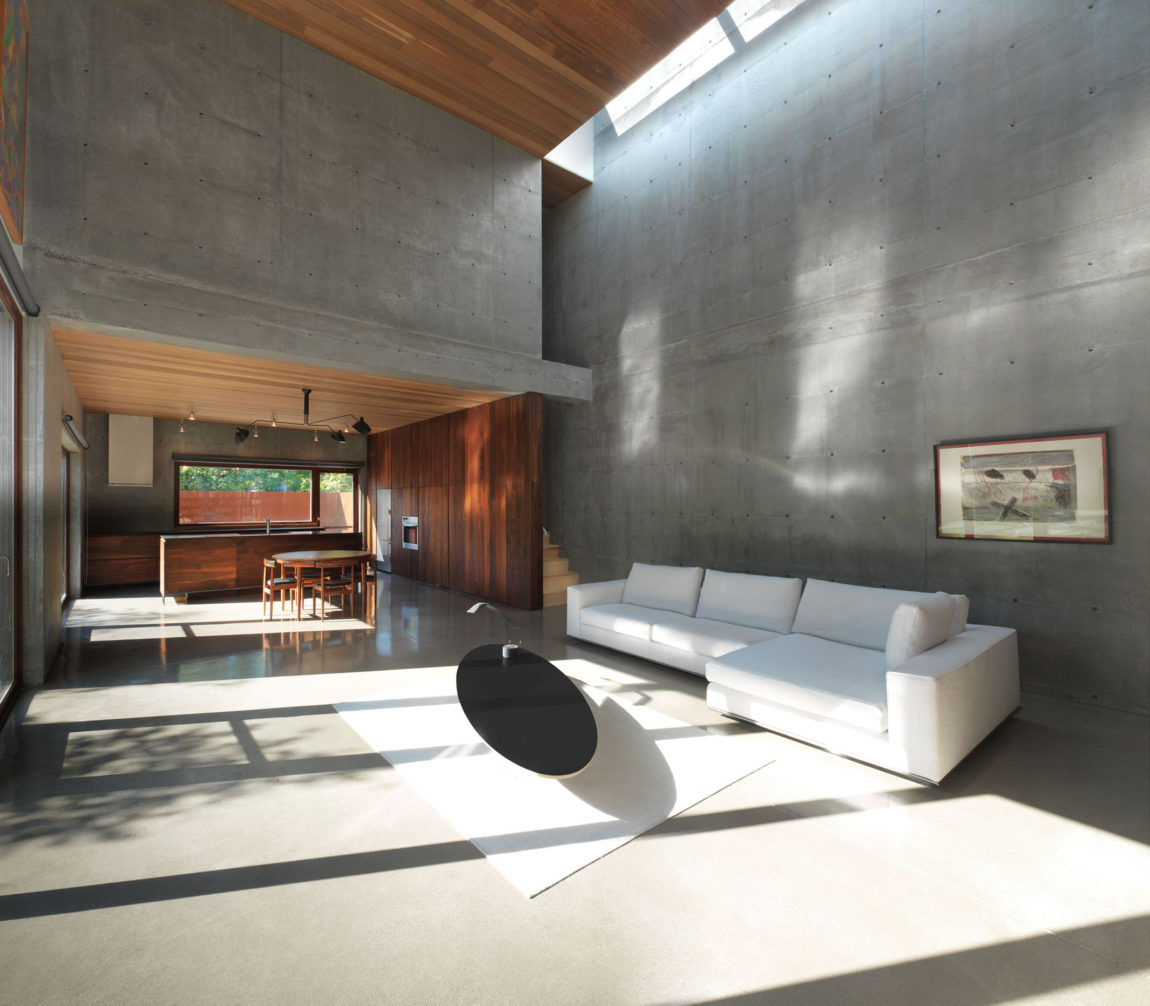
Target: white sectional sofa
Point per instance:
(892, 677)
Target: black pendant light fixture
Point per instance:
(338, 435)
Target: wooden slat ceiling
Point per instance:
(136, 378)
(529, 71)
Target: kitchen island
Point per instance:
(196, 562)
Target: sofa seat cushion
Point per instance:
(843, 683)
(705, 636)
(764, 602)
(625, 619)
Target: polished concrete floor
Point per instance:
(186, 820)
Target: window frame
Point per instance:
(316, 468)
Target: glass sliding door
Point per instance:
(9, 540)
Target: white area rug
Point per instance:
(535, 831)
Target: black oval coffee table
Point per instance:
(527, 710)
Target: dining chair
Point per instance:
(340, 584)
(273, 584)
(369, 580)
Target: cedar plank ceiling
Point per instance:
(529, 71)
(136, 378)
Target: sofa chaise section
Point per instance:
(894, 678)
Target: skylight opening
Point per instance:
(702, 52)
(753, 17)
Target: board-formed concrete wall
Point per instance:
(198, 177)
(876, 227)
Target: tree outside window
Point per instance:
(230, 494)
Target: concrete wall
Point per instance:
(48, 395)
(197, 177)
(876, 227)
(122, 509)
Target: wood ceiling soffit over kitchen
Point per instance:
(114, 374)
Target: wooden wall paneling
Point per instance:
(457, 529)
(379, 458)
(456, 460)
(473, 479)
(457, 448)
(434, 503)
(402, 461)
(402, 559)
(477, 502)
(525, 557)
(376, 475)
(121, 558)
(436, 447)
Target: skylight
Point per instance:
(702, 52)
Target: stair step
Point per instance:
(557, 574)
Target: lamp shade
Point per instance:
(242, 433)
(361, 427)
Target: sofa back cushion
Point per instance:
(762, 602)
(844, 613)
(916, 627)
(672, 588)
(961, 613)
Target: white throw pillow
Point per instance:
(671, 588)
(961, 613)
(916, 627)
(762, 602)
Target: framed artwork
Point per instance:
(13, 114)
(1034, 489)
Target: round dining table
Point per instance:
(323, 559)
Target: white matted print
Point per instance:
(1033, 489)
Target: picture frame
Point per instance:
(13, 114)
(1044, 488)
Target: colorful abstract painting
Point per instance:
(13, 116)
(1034, 489)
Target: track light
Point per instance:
(191, 415)
(331, 424)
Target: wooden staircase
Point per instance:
(557, 576)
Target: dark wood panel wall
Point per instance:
(473, 478)
(121, 558)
